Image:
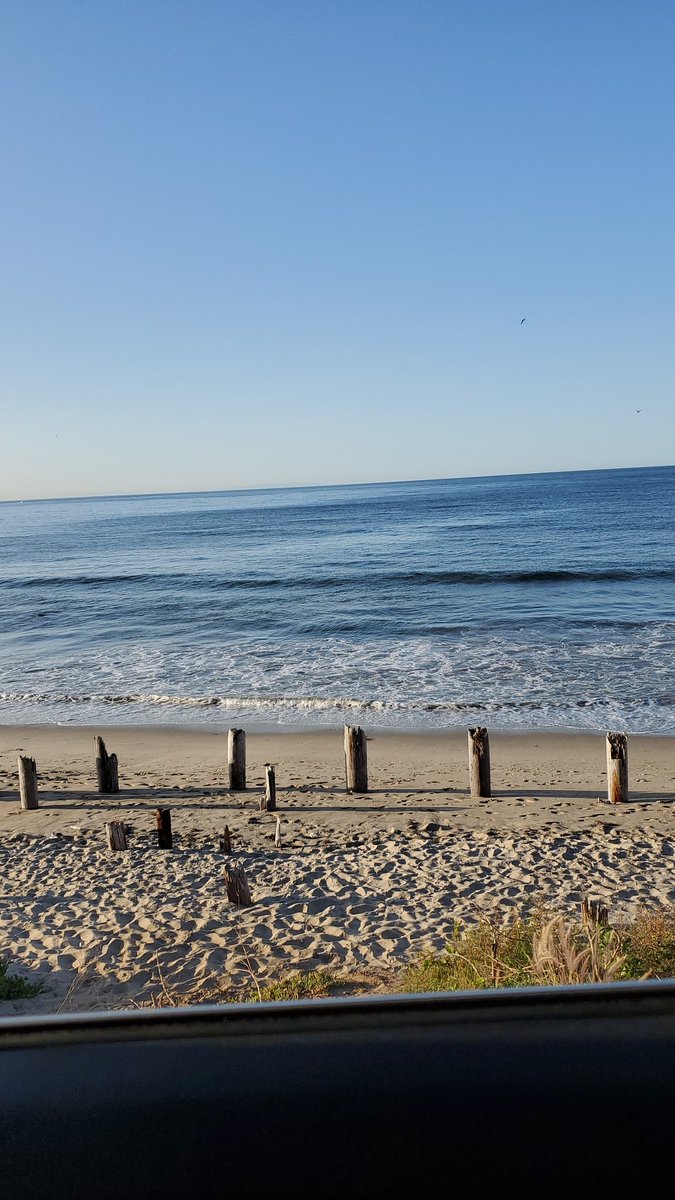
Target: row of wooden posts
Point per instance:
(479, 763)
(108, 777)
(356, 767)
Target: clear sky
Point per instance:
(267, 242)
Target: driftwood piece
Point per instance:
(225, 843)
(594, 912)
(356, 759)
(236, 759)
(237, 887)
(268, 802)
(617, 767)
(479, 761)
(106, 768)
(277, 834)
(116, 834)
(28, 790)
(164, 835)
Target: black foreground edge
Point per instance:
(373, 1096)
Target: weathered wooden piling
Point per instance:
(28, 790)
(268, 802)
(479, 761)
(116, 835)
(356, 759)
(225, 843)
(106, 768)
(236, 759)
(237, 887)
(594, 913)
(164, 835)
(617, 767)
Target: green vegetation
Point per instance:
(649, 945)
(303, 986)
(544, 950)
(13, 987)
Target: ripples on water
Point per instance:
(530, 601)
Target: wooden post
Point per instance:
(225, 843)
(594, 912)
(164, 835)
(106, 768)
(237, 887)
(116, 834)
(28, 782)
(356, 759)
(479, 761)
(236, 760)
(617, 767)
(268, 802)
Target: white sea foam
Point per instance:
(405, 684)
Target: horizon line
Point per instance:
(295, 487)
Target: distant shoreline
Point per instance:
(285, 732)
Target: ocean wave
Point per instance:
(324, 703)
(210, 580)
(56, 581)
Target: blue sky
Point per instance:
(286, 242)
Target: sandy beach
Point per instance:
(360, 885)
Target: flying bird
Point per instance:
(523, 319)
(638, 410)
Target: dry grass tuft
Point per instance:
(546, 950)
(563, 954)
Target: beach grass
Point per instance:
(535, 950)
(649, 944)
(545, 950)
(305, 985)
(15, 987)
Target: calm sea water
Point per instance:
(524, 601)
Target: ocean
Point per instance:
(521, 602)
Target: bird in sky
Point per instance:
(523, 319)
(638, 410)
